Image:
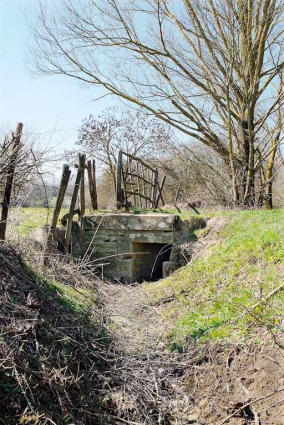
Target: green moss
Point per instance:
(213, 296)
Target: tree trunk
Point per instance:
(248, 171)
(268, 196)
(269, 178)
(9, 182)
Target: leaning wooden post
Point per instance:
(138, 183)
(91, 184)
(160, 196)
(95, 186)
(177, 195)
(72, 208)
(119, 194)
(82, 164)
(9, 181)
(59, 201)
(155, 188)
(82, 160)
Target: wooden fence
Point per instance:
(79, 188)
(137, 183)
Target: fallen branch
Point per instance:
(250, 403)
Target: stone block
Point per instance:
(124, 270)
(151, 237)
(146, 222)
(169, 267)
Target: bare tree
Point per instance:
(210, 68)
(133, 132)
(28, 162)
(198, 175)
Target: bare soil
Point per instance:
(210, 385)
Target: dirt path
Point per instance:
(139, 326)
(207, 385)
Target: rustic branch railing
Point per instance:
(78, 197)
(137, 183)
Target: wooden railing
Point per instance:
(137, 183)
(83, 166)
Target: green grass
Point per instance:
(33, 218)
(213, 295)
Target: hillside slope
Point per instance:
(227, 292)
(220, 319)
(51, 348)
(202, 347)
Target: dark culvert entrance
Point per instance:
(148, 258)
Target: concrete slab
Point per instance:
(137, 222)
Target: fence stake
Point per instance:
(92, 189)
(160, 196)
(118, 181)
(72, 208)
(59, 201)
(138, 183)
(155, 188)
(95, 185)
(9, 182)
(82, 161)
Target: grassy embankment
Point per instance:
(215, 297)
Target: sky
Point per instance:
(42, 104)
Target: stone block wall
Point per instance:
(129, 247)
(112, 239)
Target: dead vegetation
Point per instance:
(52, 352)
(70, 360)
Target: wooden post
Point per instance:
(95, 185)
(138, 183)
(72, 208)
(160, 196)
(177, 195)
(9, 181)
(148, 188)
(155, 188)
(82, 160)
(59, 201)
(119, 194)
(92, 189)
(135, 204)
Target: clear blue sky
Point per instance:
(42, 103)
